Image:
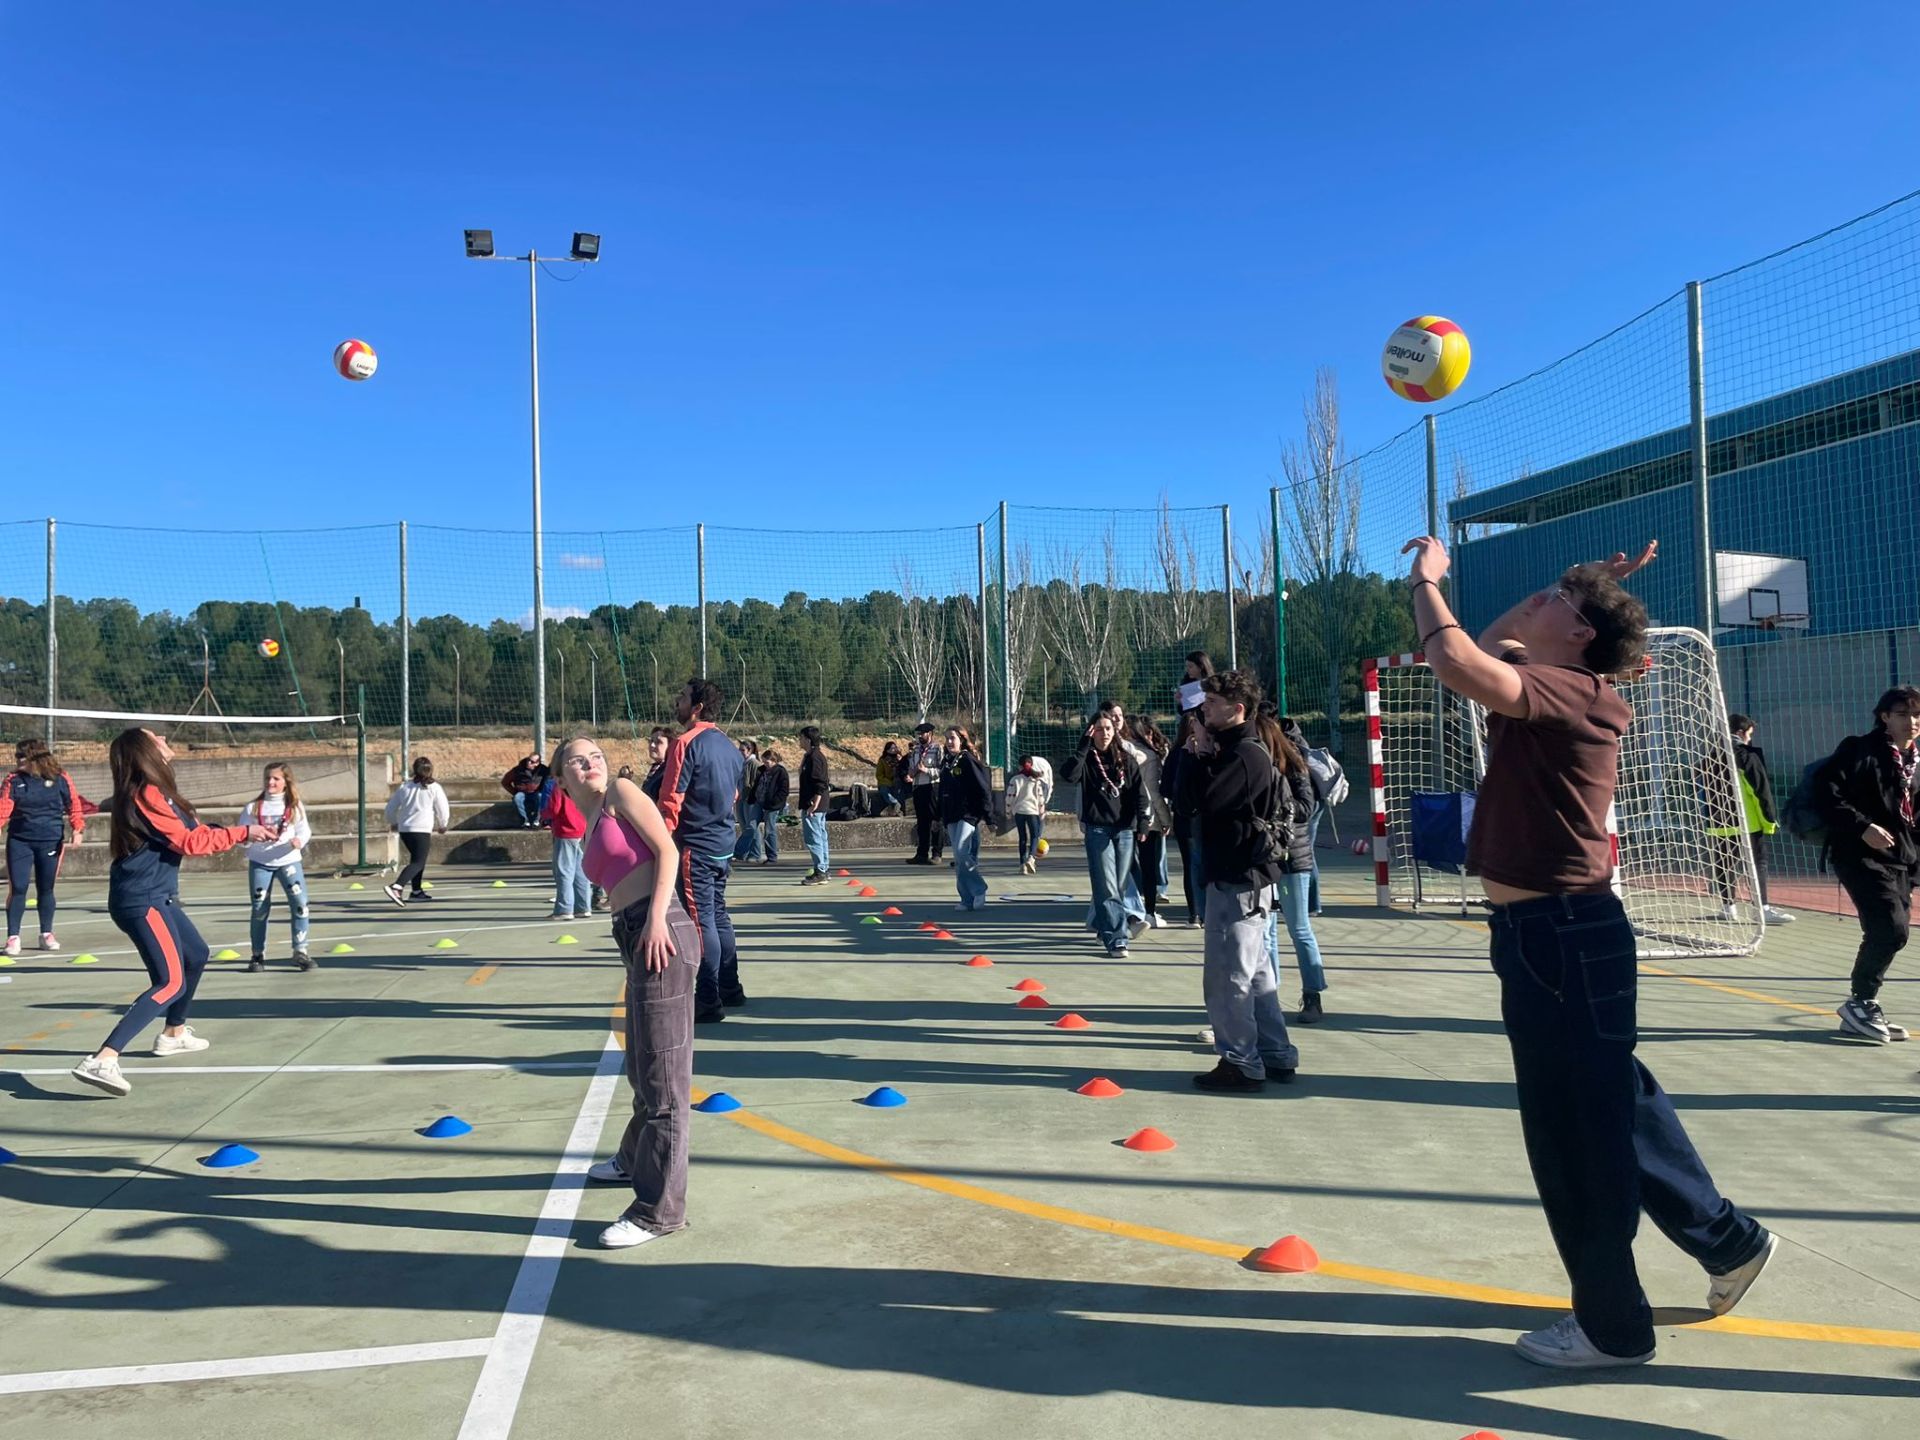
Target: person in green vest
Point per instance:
(1756, 797)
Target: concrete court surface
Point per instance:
(1017, 1273)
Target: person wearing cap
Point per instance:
(923, 773)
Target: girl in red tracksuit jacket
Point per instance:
(153, 829)
(37, 801)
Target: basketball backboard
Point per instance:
(1758, 591)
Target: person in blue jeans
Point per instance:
(815, 787)
(1109, 784)
(1295, 887)
(278, 862)
(964, 801)
(747, 820)
(1602, 1138)
(770, 803)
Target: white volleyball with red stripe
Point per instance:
(355, 360)
(1426, 358)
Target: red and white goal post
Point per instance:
(1683, 865)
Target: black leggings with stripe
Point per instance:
(174, 955)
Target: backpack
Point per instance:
(1329, 777)
(1801, 815)
(1272, 835)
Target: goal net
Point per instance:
(1683, 864)
(219, 761)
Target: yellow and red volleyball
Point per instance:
(355, 360)
(268, 648)
(1426, 358)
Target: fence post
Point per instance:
(700, 562)
(360, 768)
(1703, 577)
(53, 638)
(1007, 719)
(1226, 552)
(1437, 778)
(406, 659)
(986, 714)
(1279, 607)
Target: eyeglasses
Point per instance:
(1561, 595)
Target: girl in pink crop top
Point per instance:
(613, 851)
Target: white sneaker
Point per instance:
(1204, 1035)
(182, 1044)
(13, 944)
(1726, 1291)
(395, 894)
(1727, 912)
(102, 1075)
(608, 1172)
(1136, 927)
(1563, 1345)
(47, 942)
(624, 1234)
(1775, 917)
(1157, 921)
(1863, 1018)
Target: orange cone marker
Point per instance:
(891, 910)
(1073, 1021)
(843, 873)
(1289, 1255)
(1147, 1139)
(979, 962)
(1031, 986)
(1099, 1088)
(943, 935)
(928, 925)
(867, 892)
(1031, 1002)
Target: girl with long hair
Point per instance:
(659, 741)
(38, 801)
(965, 798)
(1149, 750)
(1186, 830)
(417, 810)
(278, 861)
(1294, 890)
(630, 854)
(154, 828)
(1110, 802)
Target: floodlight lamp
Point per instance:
(585, 246)
(479, 244)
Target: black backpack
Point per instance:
(1802, 815)
(1273, 831)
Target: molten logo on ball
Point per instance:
(268, 648)
(1426, 359)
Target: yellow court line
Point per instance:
(1220, 1249)
(482, 975)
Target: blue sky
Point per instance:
(865, 264)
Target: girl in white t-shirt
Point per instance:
(277, 808)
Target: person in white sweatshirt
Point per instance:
(277, 808)
(417, 811)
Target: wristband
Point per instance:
(1427, 639)
(1435, 583)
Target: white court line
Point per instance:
(497, 1394)
(330, 1069)
(247, 1365)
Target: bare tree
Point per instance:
(963, 618)
(920, 642)
(1026, 605)
(1323, 526)
(1084, 611)
(1171, 601)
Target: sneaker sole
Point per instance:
(119, 1091)
(176, 1054)
(1850, 1026)
(1549, 1361)
(1765, 1257)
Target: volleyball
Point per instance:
(1040, 847)
(355, 360)
(1426, 359)
(268, 648)
(1362, 847)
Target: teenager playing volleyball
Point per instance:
(154, 828)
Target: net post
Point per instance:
(986, 714)
(1279, 605)
(1376, 783)
(360, 770)
(1697, 427)
(1006, 652)
(1226, 568)
(53, 637)
(406, 657)
(700, 563)
(1433, 528)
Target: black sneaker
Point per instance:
(302, 960)
(734, 999)
(421, 895)
(257, 963)
(709, 1017)
(814, 877)
(1311, 1012)
(1280, 1074)
(1227, 1078)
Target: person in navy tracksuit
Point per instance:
(37, 802)
(698, 787)
(153, 829)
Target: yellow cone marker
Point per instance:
(446, 943)
(565, 940)
(80, 960)
(356, 885)
(341, 949)
(228, 955)
(499, 885)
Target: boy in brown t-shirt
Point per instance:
(1602, 1138)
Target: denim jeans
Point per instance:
(1313, 843)
(1109, 857)
(703, 890)
(260, 880)
(1236, 977)
(1602, 1137)
(1029, 828)
(813, 834)
(748, 846)
(572, 891)
(526, 804)
(964, 837)
(770, 831)
(1293, 891)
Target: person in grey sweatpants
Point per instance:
(1229, 785)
